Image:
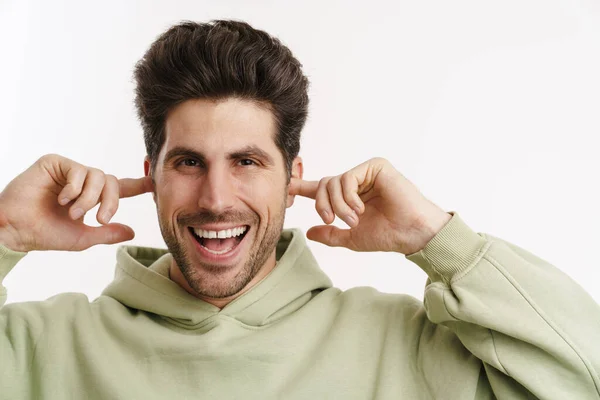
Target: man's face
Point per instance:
(221, 193)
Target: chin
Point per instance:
(218, 280)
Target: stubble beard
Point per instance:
(204, 280)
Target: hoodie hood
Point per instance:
(142, 282)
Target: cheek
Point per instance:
(263, 195)
(174, 193)
(251, 190)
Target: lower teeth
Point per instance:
(218, 251)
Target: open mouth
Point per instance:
(220, 242)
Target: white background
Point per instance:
(490, 108)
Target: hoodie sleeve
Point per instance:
(535, 330)
(17, 337)
(8, 259)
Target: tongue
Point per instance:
(219, 244)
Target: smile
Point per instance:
(219, 242)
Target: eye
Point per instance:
(247, 162)
(189, 162)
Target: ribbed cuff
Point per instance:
(454, 248)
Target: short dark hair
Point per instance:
(217, 60)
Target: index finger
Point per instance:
(129, 187)
(303, 188)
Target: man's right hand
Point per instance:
(43, 208)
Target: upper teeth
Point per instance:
(224, 234)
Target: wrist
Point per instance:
(7, 236)
(429, 228)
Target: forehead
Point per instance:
(220, 125)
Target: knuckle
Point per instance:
(324, 180)
(331, 183)
(74, 187)
(96, 173)
(48, 160)
(382, 161)
(111, 185)
(48, 157)
(348, 198)
(79, 171)
(322, 185)
(321, 208)
(346, 178)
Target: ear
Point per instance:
(148, 172)
(297, 172)
(147, 166)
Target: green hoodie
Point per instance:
(496, 322)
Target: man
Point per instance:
(238, 307)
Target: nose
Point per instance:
(216, 191)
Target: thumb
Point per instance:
(331, 236)
(105, 234)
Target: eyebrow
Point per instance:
(251, 151)
(245, 152)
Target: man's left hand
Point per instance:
(385, 211)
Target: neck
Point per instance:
(177, 276)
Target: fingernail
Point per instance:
(77, 213)
(357, 210)
(63, 201)
(326, 215)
